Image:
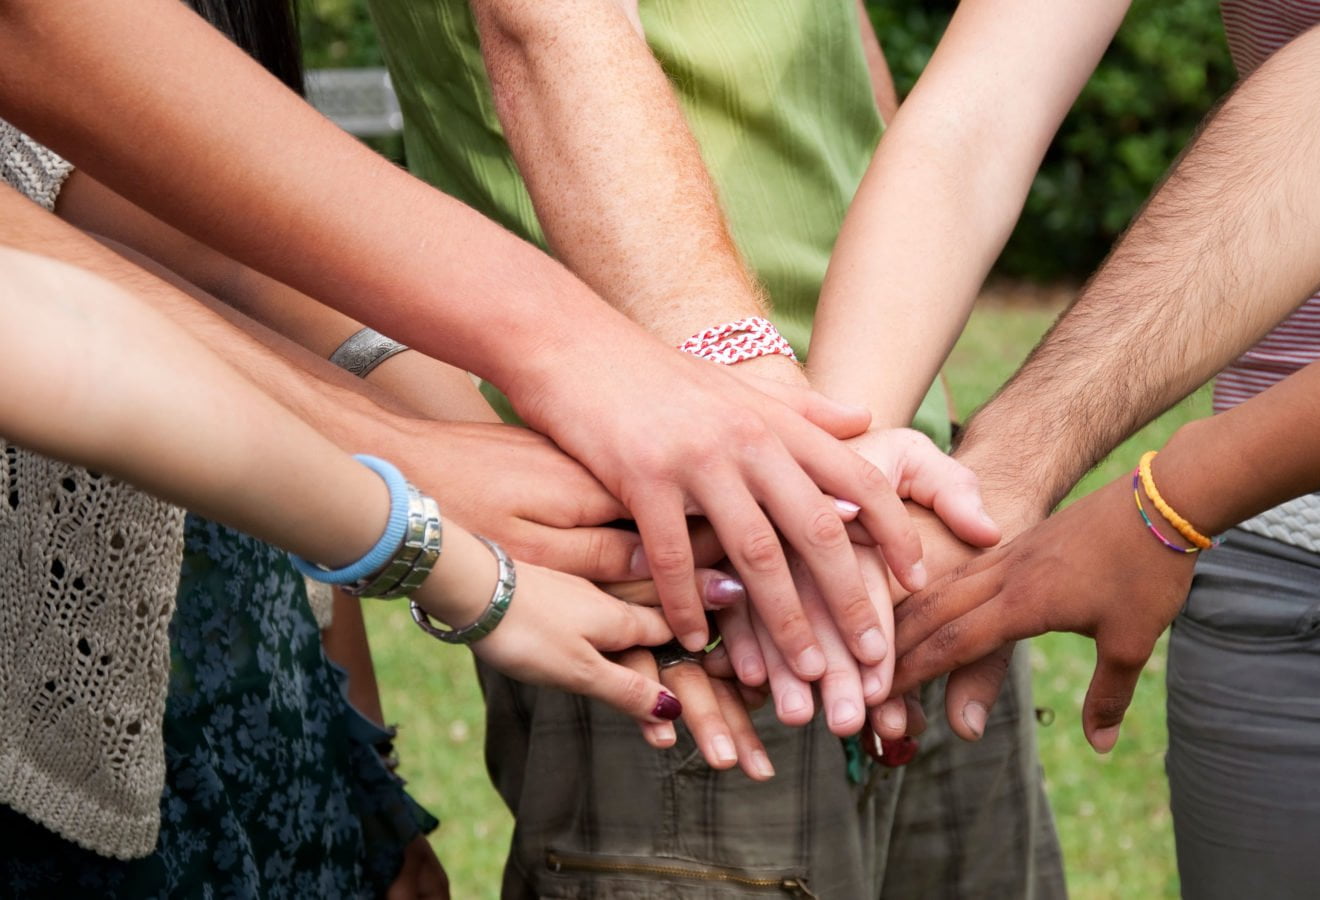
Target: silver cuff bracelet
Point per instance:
(364, 350)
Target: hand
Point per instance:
(516, 487)
(691, 433)
(1093, 569)
(846, 688)
(555, 631)
(422, 876)
(925, 474)
(714, 711)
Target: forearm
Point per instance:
(1223, 470)
(882, 80)
(614, 172)
(238, 161)
(178, 422)
(942, 194)
(415, 382)
(1224, 250)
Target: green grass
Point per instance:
(1112, 812)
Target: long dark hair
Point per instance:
(266, 29)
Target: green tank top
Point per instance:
(777, 94)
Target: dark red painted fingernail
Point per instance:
(667, 707)
(899, 752)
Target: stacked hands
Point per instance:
(807, 597)
(800, 586)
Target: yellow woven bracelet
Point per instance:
(1184, 527)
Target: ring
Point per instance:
(671, 654)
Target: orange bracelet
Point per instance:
(1184, 527)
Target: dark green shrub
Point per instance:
(1164, 71)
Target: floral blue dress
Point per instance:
(273, 785)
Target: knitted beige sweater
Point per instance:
(88, 572)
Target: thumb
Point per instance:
(631, 693)
(1110, 694)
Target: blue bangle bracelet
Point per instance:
(389, 542)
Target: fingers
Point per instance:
(718, 590)
(755, 552)
(739, 641)
(792, 695)
(639, 696)
(890, 719)
(971, 692)
(939, 482)
(752, 756)
(919, 617)
(840, 420)
(702, 713)
(1110, 694)
(822, 544)
(618, 626)
(663, 527)
(660, 735)
(594, 553)
(843, 472)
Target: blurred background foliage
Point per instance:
(1167, 67)
(1165, 70)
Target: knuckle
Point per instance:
(825, 530)
(871, 478)
(760, 551)
(745, 427)
(1109, 710)
(669, 560)
(633, 690)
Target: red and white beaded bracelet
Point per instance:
(735, 342)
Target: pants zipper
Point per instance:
(790, 885)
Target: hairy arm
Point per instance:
(943, 192)
(614, 172)
(1224, 250)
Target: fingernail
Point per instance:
(794, 701)
(667, 707)
(639, 567)
(874, 645)
(725, 591)
(760, 764)
(665, 735)
(811, 663)
(723, 748)
(693, 641)
(843, 711)
(985, 516)
(846, 508)
(871, 685)
(893, 719)
(917, 575)
(1105, 739)
(973, 716)
(749, 670)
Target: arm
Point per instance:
(943, 192)
(616, 177)
(882, 82)
(1224, 250)
(180, 423)
(1095, 569)
(416, 382)
(318, 211)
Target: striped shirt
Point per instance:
(1255, 30)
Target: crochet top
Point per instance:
(88, 572)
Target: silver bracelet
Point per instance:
(416, 556)
(499, 604)
(364, 350)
